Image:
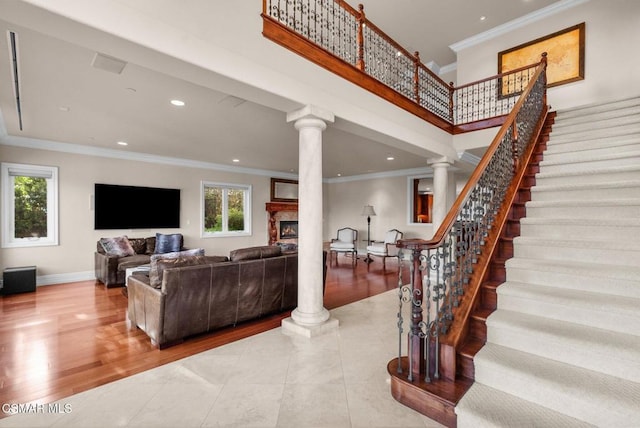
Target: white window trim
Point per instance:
(247, 188)
(8, 204)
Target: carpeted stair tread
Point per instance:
(596, 109)
(587, 275)
(589, 156)
(580, 393)
(578, 243)
(485, 407)
(611, 352)
(622, 130)
(573, 186)
(613, 142)
(601, 170)
(626, 117)
(613, 222)
(587, 300)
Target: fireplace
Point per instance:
(288, 229)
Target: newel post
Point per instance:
(416, 76)
(360, 37)
(415, 339)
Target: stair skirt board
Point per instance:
(563, 345)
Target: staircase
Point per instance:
(563, 346)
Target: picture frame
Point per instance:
(565, 55)
(283, 190)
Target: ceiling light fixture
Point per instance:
(123, 143)
(482, 18)
(236, 160)
(177, 103)
(390, 158)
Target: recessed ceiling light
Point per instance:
(339, 175)
(177, 103)
(236, 160)
(390, 158)
(482, 18)
(123, 143)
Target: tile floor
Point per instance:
(268, 380)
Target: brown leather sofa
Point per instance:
(110, 269)
(209, 295)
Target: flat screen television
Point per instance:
(133, 207)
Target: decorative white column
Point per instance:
(440, 206)
(310, 318)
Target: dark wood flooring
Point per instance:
(67, 338)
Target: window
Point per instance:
(226, 209)
(30, 205)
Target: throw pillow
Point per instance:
(155, 277)
(168, 243)
(118, 246)
(139, 245)
(163, 264)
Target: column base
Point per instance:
(290, 327)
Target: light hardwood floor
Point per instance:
(67, 338)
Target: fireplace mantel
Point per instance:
(273, 208)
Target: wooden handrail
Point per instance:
(315, 31)
(450, 218)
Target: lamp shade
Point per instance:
(368, 211)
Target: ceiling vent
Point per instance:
(108, 63)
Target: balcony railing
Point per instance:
(340, 38)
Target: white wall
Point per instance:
(612, 66)
(73, 258)
(389, 199)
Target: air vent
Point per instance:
(108, 63)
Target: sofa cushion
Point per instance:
(118, 246)
(162, 264)
(151, 245)
(136, 260)
(155, 276)
(168, 243)
(139, 245)
(251, 253)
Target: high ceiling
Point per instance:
(66, 99)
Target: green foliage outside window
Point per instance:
(30, 207)
(213, 201)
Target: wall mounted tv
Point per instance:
(132, 207)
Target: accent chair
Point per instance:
(387, 248)
(344, 243)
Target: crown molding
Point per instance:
(469, 158)
(516, 23)
(399, 173)
(78, 149)
(32, 143)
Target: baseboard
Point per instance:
(65, 277)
